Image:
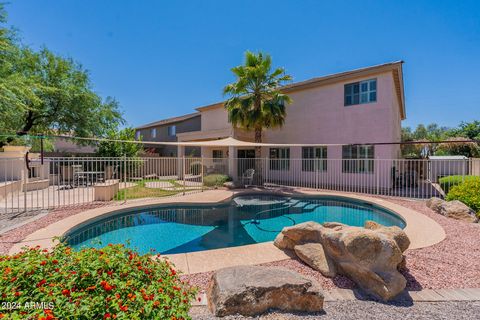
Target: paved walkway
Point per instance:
(351, 304)
(359, 310)
(426, 295)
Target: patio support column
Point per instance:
(180, 156)
(232, 170)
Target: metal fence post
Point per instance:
(184, 173)
(24, 185)
(125, 178)
(201, 170)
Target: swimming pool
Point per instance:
(246, 219)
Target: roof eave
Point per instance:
(169, 120)
(394, 67)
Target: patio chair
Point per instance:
(247, 177)
(79, 178)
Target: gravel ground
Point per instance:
(452, 263)
(9, 238)
(370, 310)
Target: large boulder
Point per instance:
(370, 256)
(314, 255)
(252, 290)
(298, 234)
(434, 203)
(458, 210)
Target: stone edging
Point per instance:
(425, 295)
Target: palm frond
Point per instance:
(255, 100)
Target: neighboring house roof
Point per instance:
(394, 67)
(169, 120)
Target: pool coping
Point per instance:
(210, 260)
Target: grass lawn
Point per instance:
(141, 191)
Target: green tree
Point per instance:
(470, 130)
(41, 92)
(427, 138)
(118, 148)
(456, 146)
(256, 101)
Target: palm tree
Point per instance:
(255, 99)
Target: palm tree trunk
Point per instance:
(258, 156)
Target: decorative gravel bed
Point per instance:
(9, 238)
(452, 263)
(369, 310)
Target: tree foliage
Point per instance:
(41, 92)
(255, 99)
(117, 148)
(427, 138)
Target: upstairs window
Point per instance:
(357, 159)
(314, 159)
(361, 92)
(280, 159)
(172, 131)
(137, 135)
(153, 132)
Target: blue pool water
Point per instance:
(244, 220)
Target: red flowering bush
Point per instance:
(108, 283)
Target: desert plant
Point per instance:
(112, 282)
(450, 181)
(215, 180)
(467, 192)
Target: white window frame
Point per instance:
(281, 162)
(363, 162)
(364, 94)
(316, 159)
(172, 131)
(153, 132)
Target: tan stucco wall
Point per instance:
(215, 119)
(318, 115)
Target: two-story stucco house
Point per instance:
(167, 130)
(346, 112)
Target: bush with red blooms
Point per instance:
(109, 283)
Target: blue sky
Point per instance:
(164, 58)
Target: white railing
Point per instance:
(63, 181)
(417, 178)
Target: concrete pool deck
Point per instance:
(422, 230)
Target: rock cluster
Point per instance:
(453, 209)
(370, 256)
(252, 290)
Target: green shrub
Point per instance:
(448, 182)
(215, 180)
(467, 192)
(107, 283)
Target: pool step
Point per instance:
(311, 206)
(301, 204)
